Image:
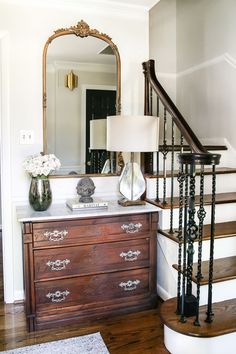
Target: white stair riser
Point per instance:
(223, 247)
(167, 251)
(221, 291)
(224, 184)
(223, 213)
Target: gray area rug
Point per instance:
(91, 344)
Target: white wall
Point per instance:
(204, 54)
(26, 26)
(206, 66)
(162, 41)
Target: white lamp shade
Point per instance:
(98, 132)
(132, 133)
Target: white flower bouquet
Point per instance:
(41, 165)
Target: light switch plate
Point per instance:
(26, 136)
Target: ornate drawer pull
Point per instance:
(131, 228)
(129, 285)
(130, 255)
(58, 264)
(58, 296)
(56, 235)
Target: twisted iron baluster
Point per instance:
(151, 100)
(201, 216)
(157, 161)
(181, 143)
(157, 179)
(101, 161)
(164, 152)
(192, 229)
(158, 106)
(172, 176)
(181, 178)
(94, 161)
(149, 159)
(209, 312)
(182, 316)
(90, 163)
(148, 109)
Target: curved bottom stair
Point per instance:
(209, 338)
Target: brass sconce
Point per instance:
(71, 81)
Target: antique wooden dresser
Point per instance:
(87, 265)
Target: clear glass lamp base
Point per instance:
(132, 185)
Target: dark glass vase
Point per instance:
(40, 194)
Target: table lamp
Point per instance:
(132, 134)
(98, 143)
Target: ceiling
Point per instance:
(147, 4)
(141, 4)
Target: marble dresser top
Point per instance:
(61, 212)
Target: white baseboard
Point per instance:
(162, 293)
(19, 295)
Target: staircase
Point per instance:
(196, 271)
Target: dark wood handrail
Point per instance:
(188, 134)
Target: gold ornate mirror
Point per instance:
(81, 83)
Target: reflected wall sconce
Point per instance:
(71, 81)
(132, 134)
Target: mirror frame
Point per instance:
(81, 30)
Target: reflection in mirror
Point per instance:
(81, 84)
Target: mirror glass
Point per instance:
(81, 84)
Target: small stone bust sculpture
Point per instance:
(85, 188)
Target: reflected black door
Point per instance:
(99, 105)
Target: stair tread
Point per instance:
(222, 230)
(221, 198)
(224, 320)
(207, 171)
(224, 269)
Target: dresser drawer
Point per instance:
(91, 230)
(88, 259)
(91, 291)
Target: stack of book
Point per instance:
(75, 204)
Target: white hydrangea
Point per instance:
(38, 165)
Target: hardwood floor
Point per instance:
(137, 333)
